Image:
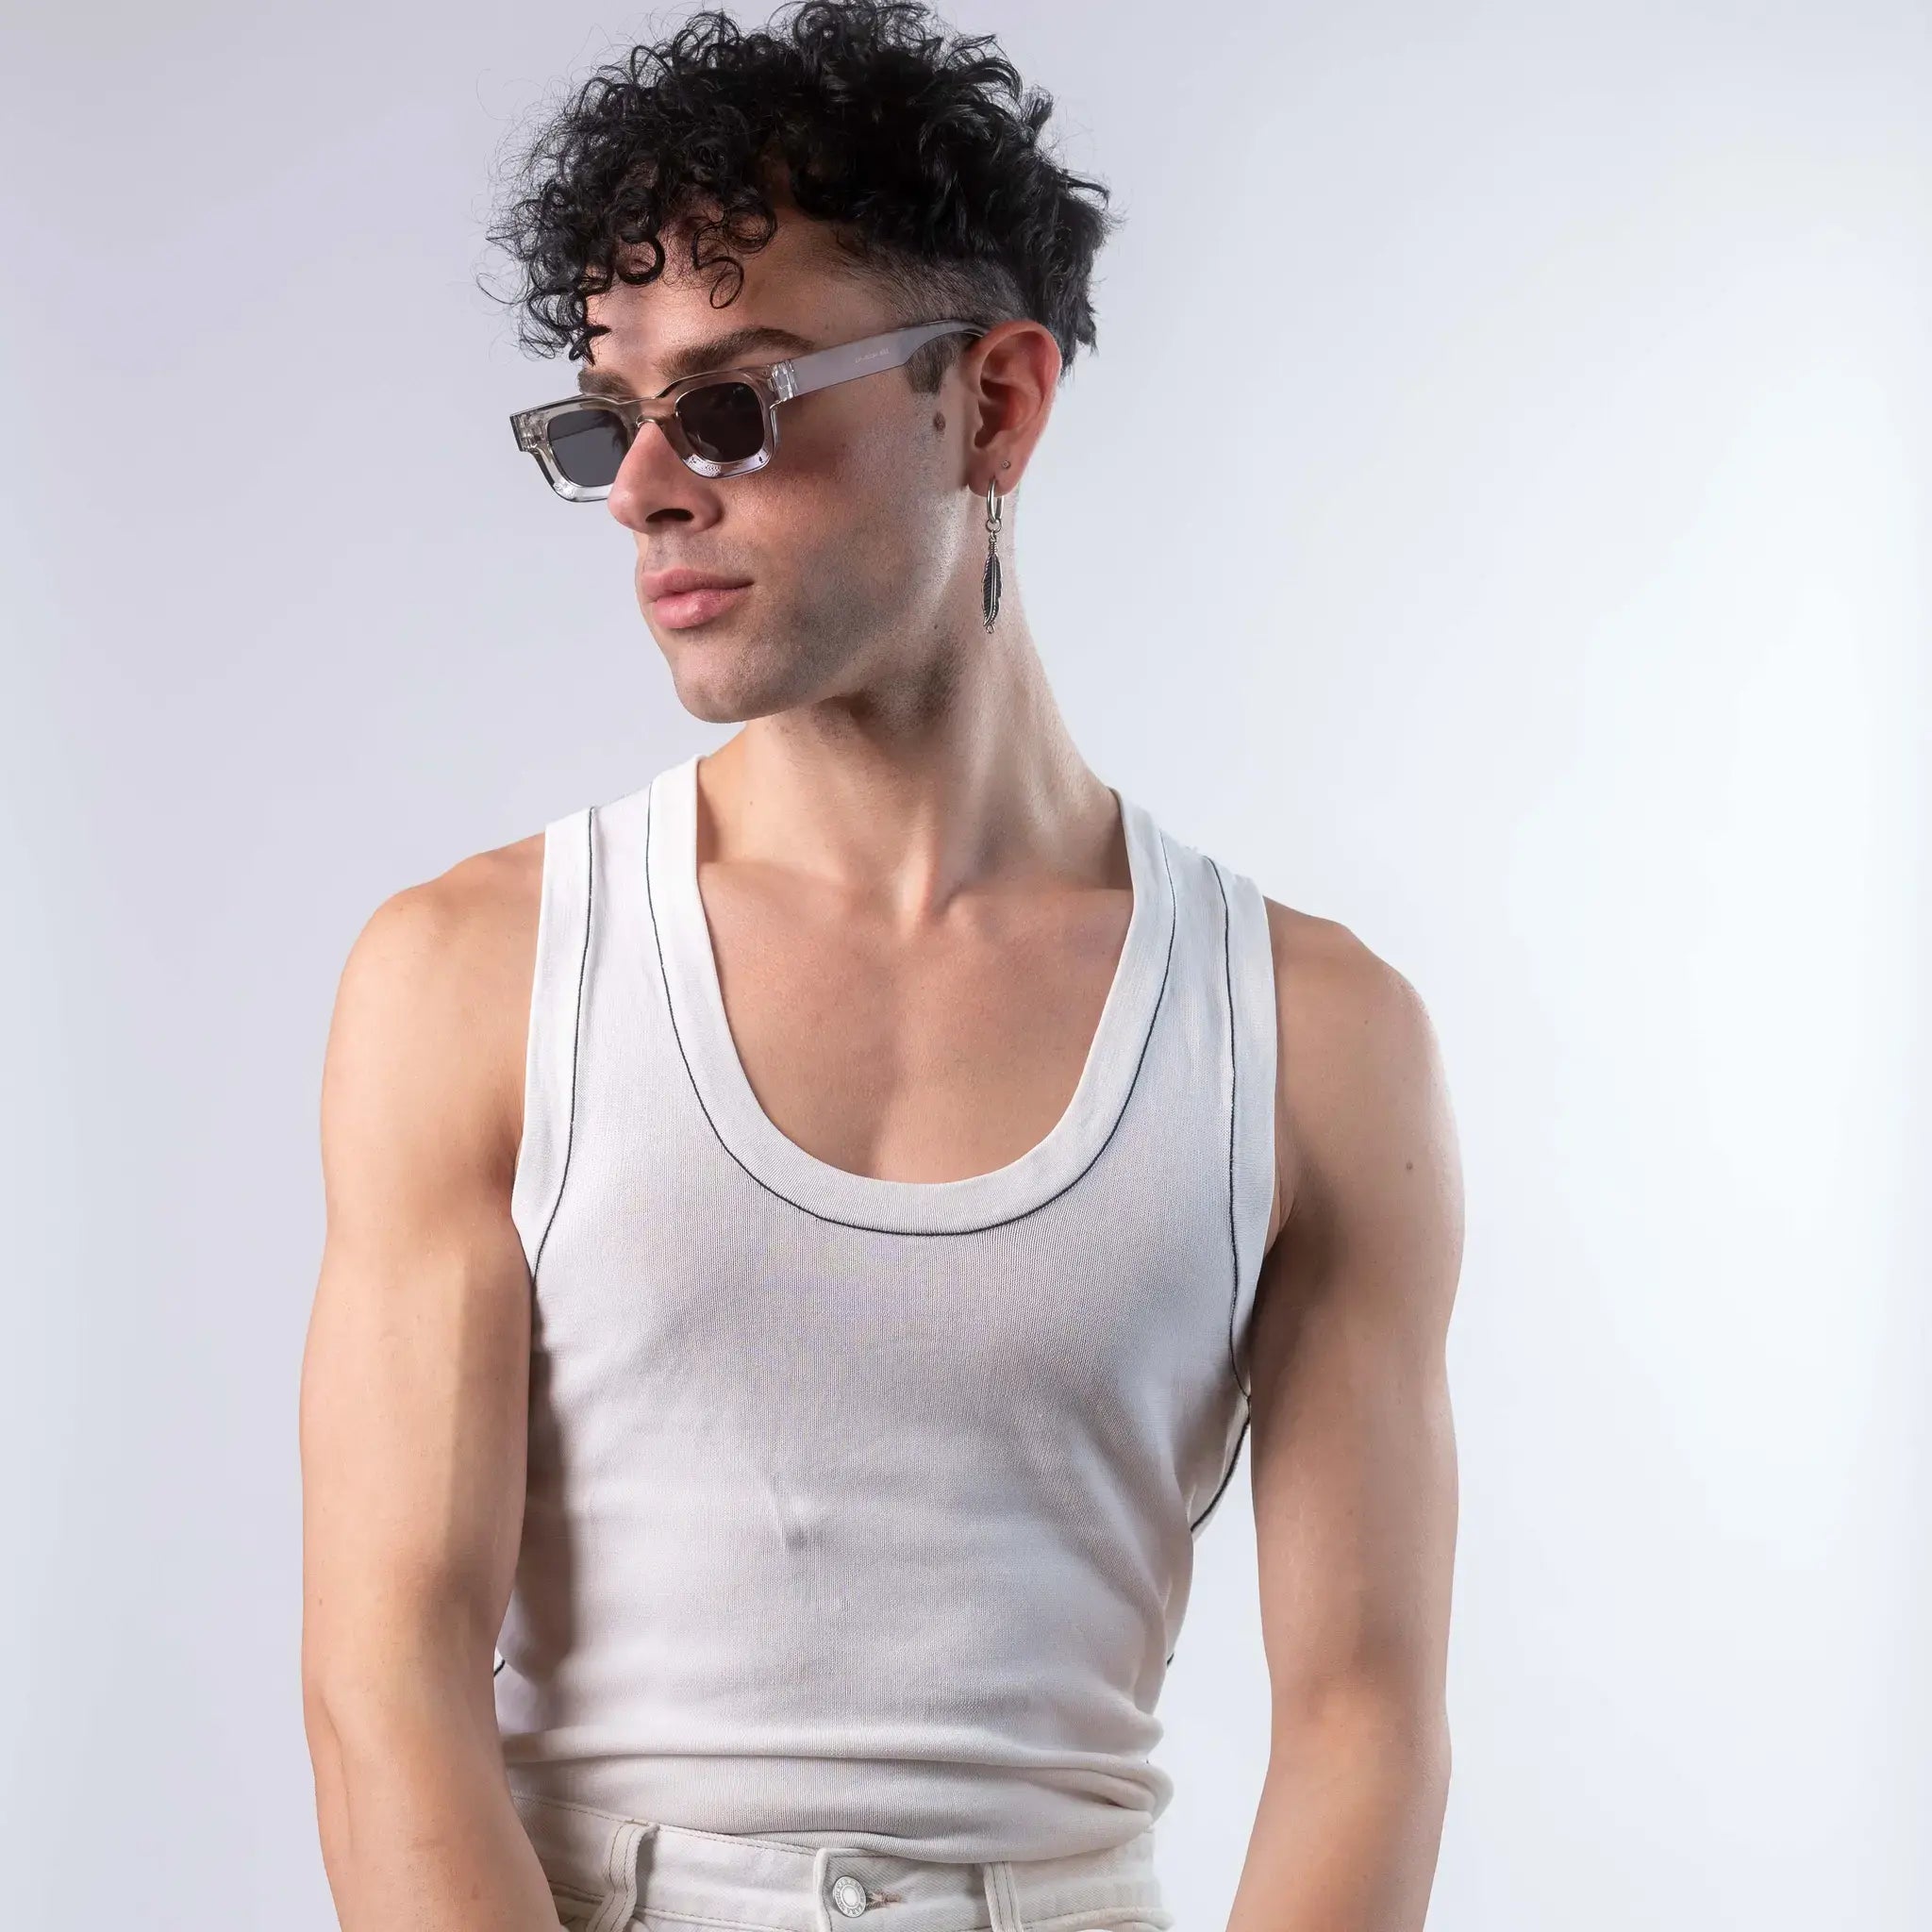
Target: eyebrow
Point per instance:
(696, 359)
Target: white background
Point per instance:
(1557, 622)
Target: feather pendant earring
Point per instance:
(989, 583)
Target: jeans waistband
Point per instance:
(605, 1870)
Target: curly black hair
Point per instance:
(920, 146)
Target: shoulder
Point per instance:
(455, 932)
(432, 1007)
(1324, 973)
(1357, 1050)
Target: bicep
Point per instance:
(1353, 1460)
(414, 1379)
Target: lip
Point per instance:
(683, 608)
(681, 597)
(674, 583)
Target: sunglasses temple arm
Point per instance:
(821, 368)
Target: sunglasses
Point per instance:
(721, 424)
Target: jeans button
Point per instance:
(848, 1895)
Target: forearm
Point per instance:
(1349, 1825)
(418, 1831)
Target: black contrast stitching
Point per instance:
(1228, 1477)
(1233, 1238)
(575, 1047)
(577, 1031)
(866, 1227)
(1233, 1117)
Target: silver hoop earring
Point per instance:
(989, 583)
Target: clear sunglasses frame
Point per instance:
(773, 383)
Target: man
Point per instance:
(809, 1237)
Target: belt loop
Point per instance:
(1002, 1896)
(821, 1912)
(623, 1875)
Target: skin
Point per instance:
(917, 892)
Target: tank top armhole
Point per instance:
(1251, 1128)
(550, 1056)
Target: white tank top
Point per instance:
(861, 1511)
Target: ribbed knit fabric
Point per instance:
(861, 1511)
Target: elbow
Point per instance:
(1364, 1717)
(382, 1710)
(399, 1669)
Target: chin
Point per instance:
(718, 698)
(730, 682)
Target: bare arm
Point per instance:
(1354, 1458)
(413, 1412)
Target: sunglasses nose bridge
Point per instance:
(644, 410)
(664, 414)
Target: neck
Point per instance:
(908, 792)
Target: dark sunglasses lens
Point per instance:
(588, 444)
(722, 421)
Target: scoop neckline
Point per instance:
(777, 1163)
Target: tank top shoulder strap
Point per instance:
(1232, 925)
(557, 995)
